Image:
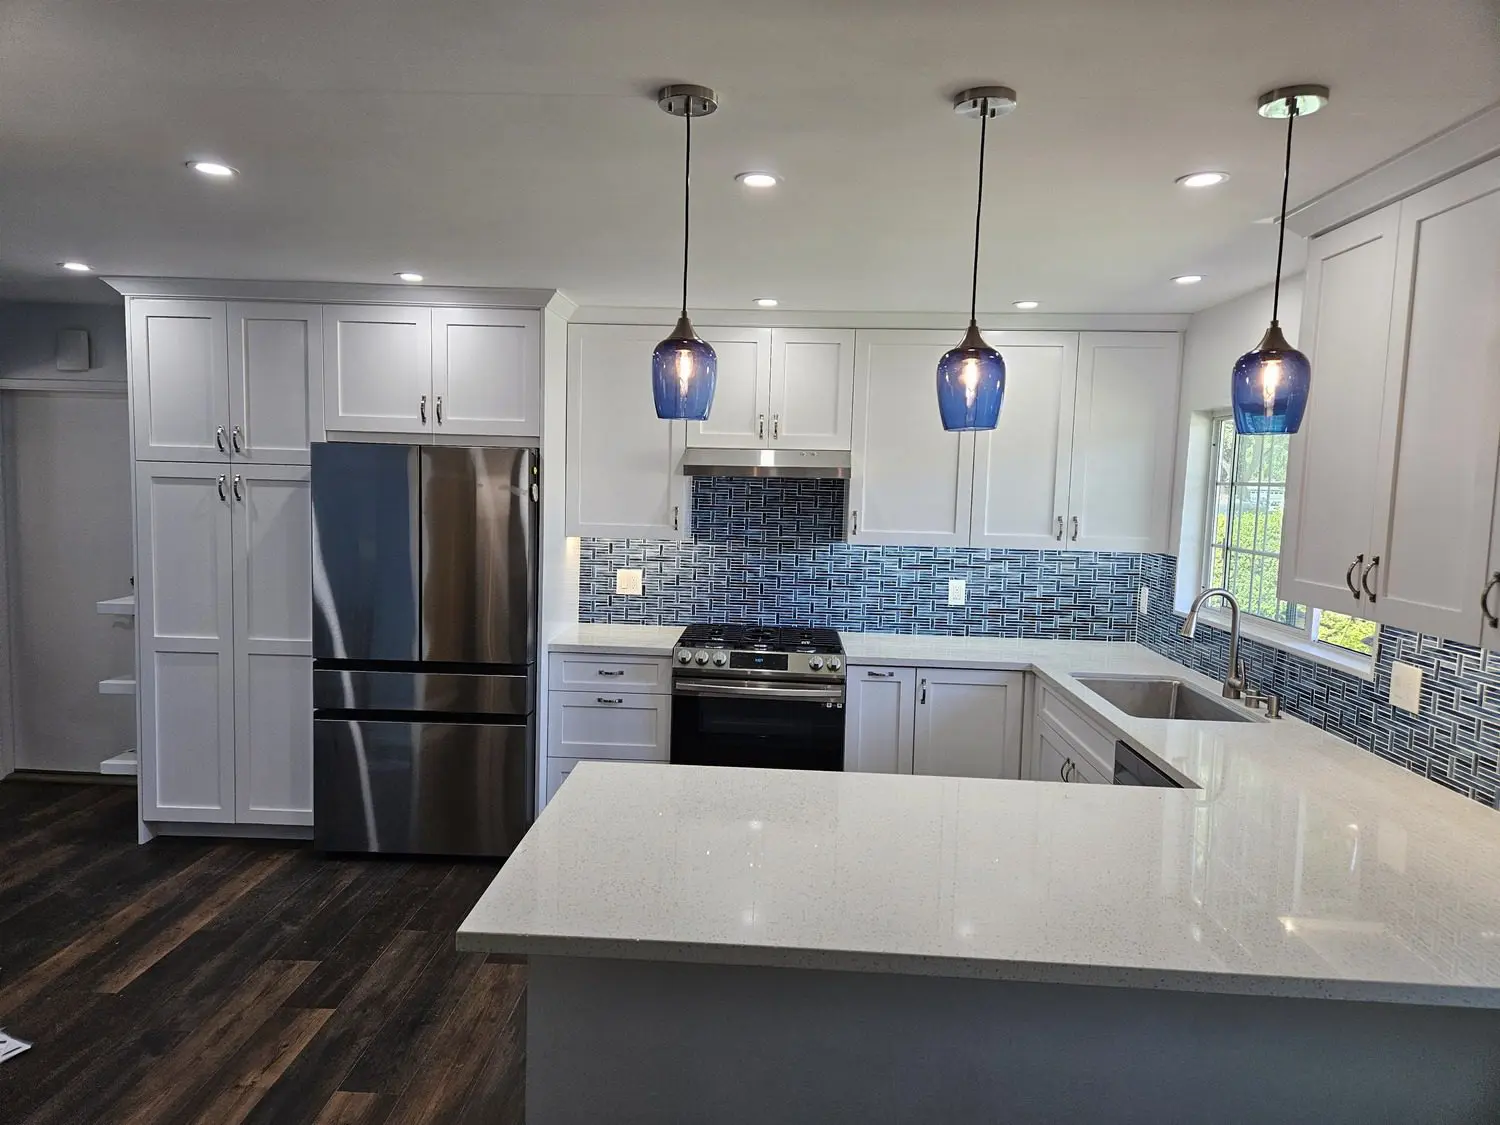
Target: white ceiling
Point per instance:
(517, 142)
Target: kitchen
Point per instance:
(435, 572)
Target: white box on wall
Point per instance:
(73, 349)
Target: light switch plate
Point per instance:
(628, 582)
(958, 591)
(1406, 687)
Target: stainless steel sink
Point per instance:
(1167, 699)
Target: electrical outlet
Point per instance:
(1144, 601)
(958, 591)
(628, 582)
(1406, 687)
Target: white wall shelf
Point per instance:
(121, 765)
(117, 685)
(117, 607)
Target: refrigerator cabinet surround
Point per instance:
(424, 646)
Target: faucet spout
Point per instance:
(1234, 682)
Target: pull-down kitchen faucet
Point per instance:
(1234, 682)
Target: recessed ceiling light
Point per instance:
(1188, 278)
(1202, 179)
(767, 302)
(212, 168)
(408, 275)
(757, 179)
(1027, 304)
(77, 267)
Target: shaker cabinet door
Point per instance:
(740, 415)
(179, 382)
(275, 367)
(377, 369)
(812, 388)
(486, 373)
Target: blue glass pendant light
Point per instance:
(971, 377)
(1270, 385)
(684, 368)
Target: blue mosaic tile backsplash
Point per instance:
(1454, 741)
(772, 552)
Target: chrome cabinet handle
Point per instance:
(219, 438)
(1484, 600)
(437, 406)
(602, 699)
(923, 699)
(222, 496)
(237, 440)
(238, 492)
(854, 522)
(775, 427)
(1364, 579)
(608, 672)
(676, 518)
(1349, 575)
(1075, 529)
(1059, 529)
(760, 427)
(422, 409)
(888, 675)
(1062, 770)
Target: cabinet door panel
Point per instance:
(377, 369)
(912, 480)
(879, 720)
(1332, 460)
(968, 723)
(273, 739)
(486, 374)
(1440, 448)
(1021, 468)
(1052, 754)
(275, 367)
(185, 628)
(179, 380)
(738, 418)
(812, 388)
(624, 463)
(1124, 440)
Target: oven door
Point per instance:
(771, 725)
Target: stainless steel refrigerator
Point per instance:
(424, 648)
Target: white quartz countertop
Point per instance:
(1300, 866)
(627, 640)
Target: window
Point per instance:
(1243, 540)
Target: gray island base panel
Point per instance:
(646, 1041)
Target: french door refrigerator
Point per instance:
(424, 648)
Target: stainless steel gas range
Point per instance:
(746, 695)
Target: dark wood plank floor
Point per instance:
(198, 981)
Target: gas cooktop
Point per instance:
(765, 638)
(760, 652)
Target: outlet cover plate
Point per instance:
(1406, 687)
(628, 582)
(1144, 602)
(958, 591)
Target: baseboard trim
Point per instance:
(70, 777)
(300, 832)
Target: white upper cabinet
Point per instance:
(275, 366)
(486, 373)
(1333, 459)
(624, 463)
(377, 369)
(740, 415)
(1124, 440)
(1021, 468)
(1434, 490)
(179, 382)
(812, 388)
(968, 723)
(912, 480)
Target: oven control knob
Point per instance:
(684, 656)
(834, 663)
(815, 663)
(721, 659)
(701, 658)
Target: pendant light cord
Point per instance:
(1286, 182)
(687, 195)
(984, 125)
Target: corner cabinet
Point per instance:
(624, 463)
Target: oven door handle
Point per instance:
(811, 694)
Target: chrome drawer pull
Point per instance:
(607, 672)
(601, 699)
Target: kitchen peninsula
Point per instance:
(1299, 936)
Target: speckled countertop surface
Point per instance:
(1301, 866)
(625, 640)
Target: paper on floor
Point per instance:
(10, 1046)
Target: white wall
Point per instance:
(1214, 340)
(68, 531)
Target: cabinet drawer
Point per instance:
(586, 671)
(558, 770)
(608, 724)
(1083, 735)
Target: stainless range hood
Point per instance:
(829, 463)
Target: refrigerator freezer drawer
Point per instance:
(422, 788)
(338, 689)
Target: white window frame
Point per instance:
(1303, 642)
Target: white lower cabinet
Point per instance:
(1066, 746)
(225, 633)
(879, 719)
(604, 706)
(968, 723)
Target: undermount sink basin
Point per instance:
(1167, 699)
